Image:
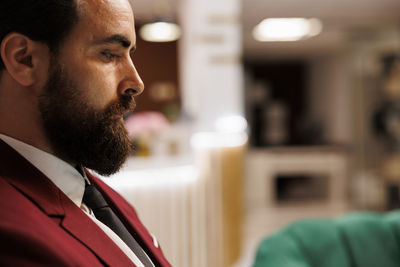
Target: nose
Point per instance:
(132, 84)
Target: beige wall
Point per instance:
(331, 96)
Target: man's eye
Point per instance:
(108, 56)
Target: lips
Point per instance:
(128, 109)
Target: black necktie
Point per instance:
(94, 200)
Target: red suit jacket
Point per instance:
(41, 226)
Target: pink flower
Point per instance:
(146, 123)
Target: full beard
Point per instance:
(80, 134)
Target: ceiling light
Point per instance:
(286, 29)
(160, 32)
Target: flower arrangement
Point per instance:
(143, 128)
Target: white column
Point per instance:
(210, 60)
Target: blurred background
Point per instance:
(258, 113)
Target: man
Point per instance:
(67, 78)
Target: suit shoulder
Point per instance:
(16, 208)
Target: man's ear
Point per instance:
(21, 56)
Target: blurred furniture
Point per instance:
(386, 124)
(265, 213)
(265, 165)
(355, 240)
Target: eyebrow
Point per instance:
(117, 39)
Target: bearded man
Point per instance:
(67, 78)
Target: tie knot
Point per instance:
(93, 198)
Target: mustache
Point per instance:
(125, 104)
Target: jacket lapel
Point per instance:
(54, 203)
(130, 219)
(84, 229)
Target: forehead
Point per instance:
(101, 18)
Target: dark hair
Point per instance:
(47, 21)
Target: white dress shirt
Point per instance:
(69, 181)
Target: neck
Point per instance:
(20, 117)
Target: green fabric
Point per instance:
(360, 239)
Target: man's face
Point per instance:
(91, 85)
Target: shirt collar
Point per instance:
(62, 174)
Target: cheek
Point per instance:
(98, 83)
(43, 77)
(43, 72)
